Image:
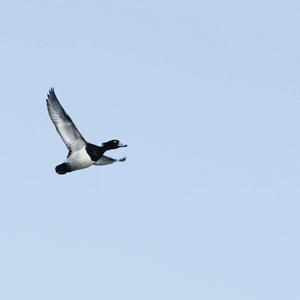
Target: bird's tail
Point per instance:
(62, 169)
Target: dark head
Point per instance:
(113, 144)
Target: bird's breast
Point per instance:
(94, 151)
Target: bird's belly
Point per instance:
(79, 160)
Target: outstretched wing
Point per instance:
(105, 160)
(63, 124)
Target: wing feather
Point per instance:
(64, 124)
(105, 160)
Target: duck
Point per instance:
(82, 154)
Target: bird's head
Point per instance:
(113, 144)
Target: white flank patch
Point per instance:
(79, 160)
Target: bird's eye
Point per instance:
(115, 141)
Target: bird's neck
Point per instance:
(104, 147)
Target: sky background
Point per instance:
(206, 95)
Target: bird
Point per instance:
(82, 154)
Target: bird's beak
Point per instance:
(122, 145)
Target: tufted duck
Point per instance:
(81, 153)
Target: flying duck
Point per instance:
(81, 153)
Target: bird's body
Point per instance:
(79, 160)
(81, 153)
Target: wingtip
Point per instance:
(51, 94)
(51, 91)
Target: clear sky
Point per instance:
(206, 95)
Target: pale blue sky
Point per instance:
(206, 94)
